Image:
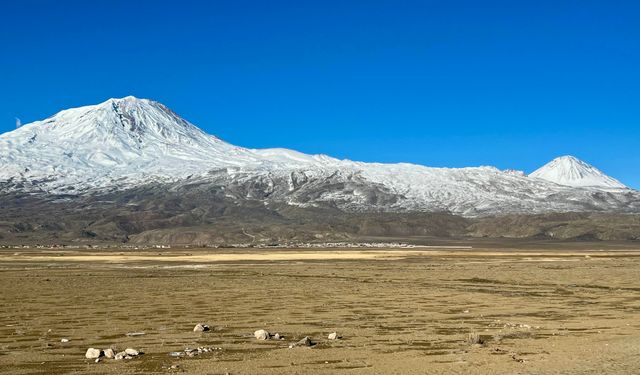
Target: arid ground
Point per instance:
(571, 309)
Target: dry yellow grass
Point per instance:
(399, 311)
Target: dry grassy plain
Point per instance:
(538, 310)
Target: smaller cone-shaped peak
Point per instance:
(571, 171)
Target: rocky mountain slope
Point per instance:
(127, 143)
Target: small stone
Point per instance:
(134, 334)
(93, 353)
(131, 352)
(120, 355)
(261, 334)
(176, 354)
(333, 336)
(97, 360)
(306, 341)
(201, 328)
(276, 336)
(109, 353)
(64, 340)
(174, 367)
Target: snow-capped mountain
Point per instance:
(569, 171)
(125, 143)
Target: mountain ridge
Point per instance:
(124, 143)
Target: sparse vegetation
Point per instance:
(474, 338)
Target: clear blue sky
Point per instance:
(441, 83)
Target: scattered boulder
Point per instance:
(97, 360)
(306, 341)
(334, 336)
(126, 354)
(64, 340)
(120, 355)
(201, 328)
(109, 353)
(277, 337)
(261, 334)
(93, 353)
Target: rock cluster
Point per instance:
(96, 354)
(129, 353)
(193, 352)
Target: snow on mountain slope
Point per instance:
(128, 142)
(569, 171)
(118, 138)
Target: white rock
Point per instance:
(64, 340)
(333, 336)
(120, 355)
(134, 334)
(200, 328)
(261, 334)
(109, 353)
(93, 353)
(131, 352)
(97, 360)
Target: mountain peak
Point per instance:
(570, 171)
(129, 101)
(119, 136)
(129, 120)
(128, 98)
